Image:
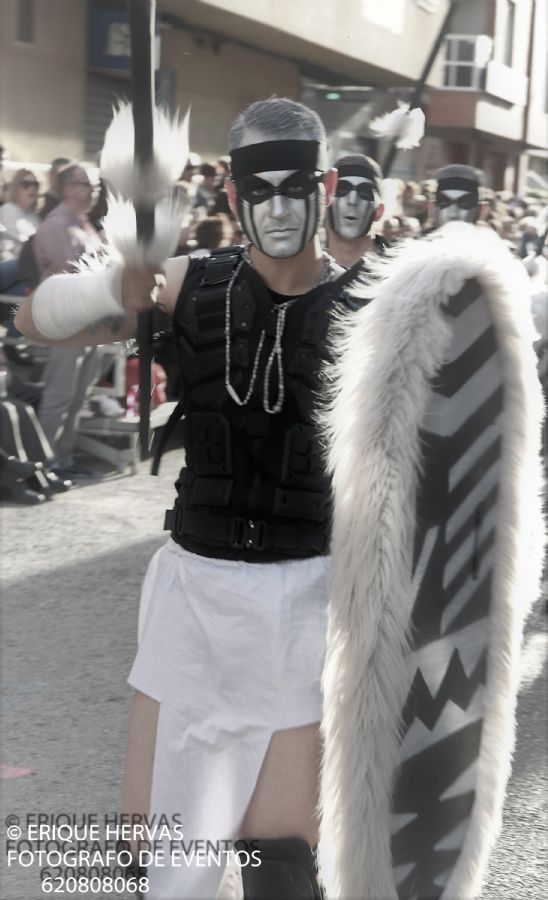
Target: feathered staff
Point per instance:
(141, 23)
(405, 125)
(144, 153)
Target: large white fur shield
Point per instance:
(434, 448)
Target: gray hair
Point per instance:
(277, 118)
(65, 175)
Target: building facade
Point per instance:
(63, 63)
(491, 109)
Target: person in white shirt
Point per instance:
(18, 217)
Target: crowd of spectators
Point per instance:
(210, 223)
(520, 221)
(46, 224)
(40, 237)
(26, 200)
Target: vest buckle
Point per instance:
(256, 533)
(239, 533)
(248, 534)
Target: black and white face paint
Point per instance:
(280, 211)
(456, 205)
(353, 208)
(280, 194)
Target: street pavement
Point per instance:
(71, 572)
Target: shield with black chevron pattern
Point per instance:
(434, 435)
(456, 522)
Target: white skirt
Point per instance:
(233, 652)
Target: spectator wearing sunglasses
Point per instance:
(62, 238)
(18, 217)
(356, 205)
(66, 233)
(51, 197)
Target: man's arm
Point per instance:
(137, 286)
(105, 331)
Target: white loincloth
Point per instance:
(233, 652)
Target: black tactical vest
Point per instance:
(254, 485)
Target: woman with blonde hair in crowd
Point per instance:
(18, 222)
(18, 217)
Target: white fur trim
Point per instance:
(120, 169)
(387, 356)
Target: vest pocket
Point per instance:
(302, 461)
(301, 504)
(210, 447)
(207, 492)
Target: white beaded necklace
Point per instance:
(276, 352)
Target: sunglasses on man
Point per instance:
(297, 186)
(365, 190)
(29, 184)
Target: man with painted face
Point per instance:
(279, 209)
(458, 195)
(224, 728)
(356, 205)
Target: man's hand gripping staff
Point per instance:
(141, 288)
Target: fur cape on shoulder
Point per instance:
(387, 356)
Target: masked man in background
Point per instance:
(356, 206)
(458, 195)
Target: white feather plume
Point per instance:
(120, 227)
(404, 124)
(121, 171)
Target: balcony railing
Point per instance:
(466, 58)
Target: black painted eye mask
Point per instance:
(365, 190)
(256, 190)
(467, 201)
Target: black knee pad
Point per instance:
(132, 871)
(287, 871)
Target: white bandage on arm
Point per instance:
(63, 305)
